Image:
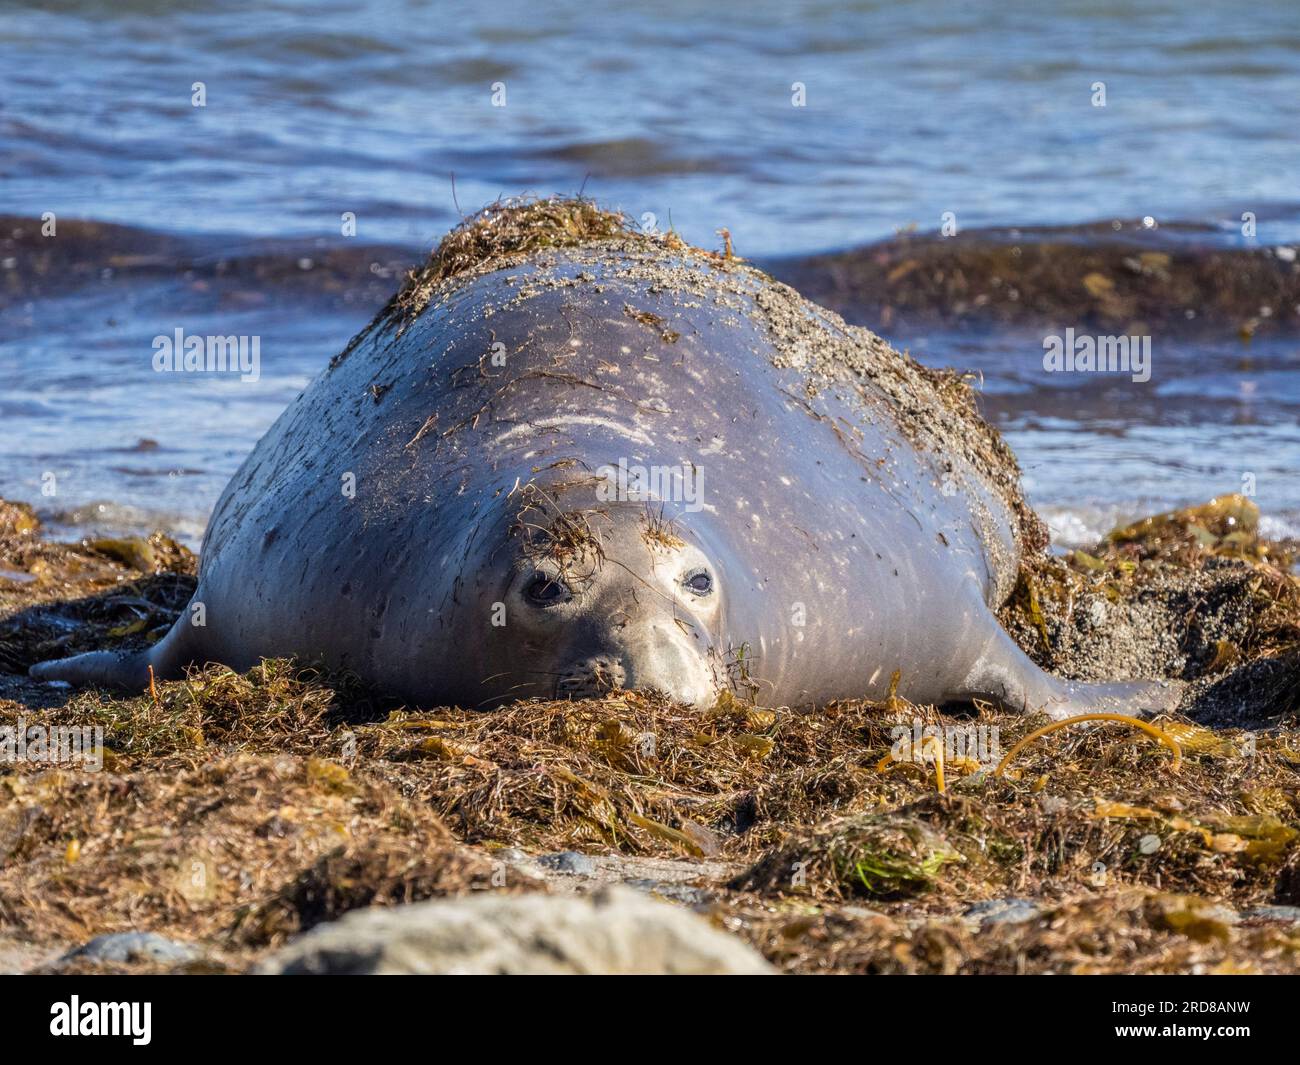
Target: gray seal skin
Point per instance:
(805, 514)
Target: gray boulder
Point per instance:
(614, 931)
(127, 947)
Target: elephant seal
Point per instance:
(617, 461)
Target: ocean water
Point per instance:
(678, 113)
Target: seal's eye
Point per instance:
(698, 581)
(544, 591)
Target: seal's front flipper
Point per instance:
(1004, 674)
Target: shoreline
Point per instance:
(1187, 277)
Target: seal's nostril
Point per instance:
(591, 679)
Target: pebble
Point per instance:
(1002, 911)
(573, 862)
(1272, 913)
(123, 947)
(684, 893)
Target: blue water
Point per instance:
(678, 110)
(912, 109)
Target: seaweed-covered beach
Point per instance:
(233, 812)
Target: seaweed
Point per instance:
(502, 230)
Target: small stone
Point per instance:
(1002, 911)
(1226, 914)
(692, 896)
(573, 862)
(124, 947)
(1289, 914)
(512, 855)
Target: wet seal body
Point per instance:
(623, 464)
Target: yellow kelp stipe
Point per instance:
(1150, 730)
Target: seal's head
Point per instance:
(598, 598)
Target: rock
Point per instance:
(695, 897)
(511, 855)
(614, 931)
(570, 871)
(1217, 912)
(1002, 911)
(572, 862)
(122, 947)
(1289, 914)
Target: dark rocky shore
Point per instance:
(1117, 276)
